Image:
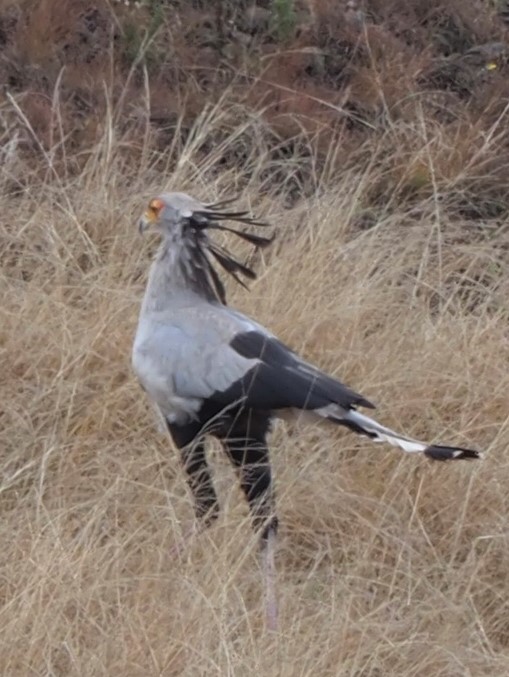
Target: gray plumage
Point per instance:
(187, 348)
(210, 369)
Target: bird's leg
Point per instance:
(199, 479)
(251, 458)
(270, 574)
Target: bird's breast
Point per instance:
(159, 384)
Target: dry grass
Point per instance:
(389, 565)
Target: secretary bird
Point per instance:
(212, 370)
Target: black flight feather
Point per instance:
(281, 380)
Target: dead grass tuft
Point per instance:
(388, 565)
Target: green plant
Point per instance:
(139, 32)
(284, 18)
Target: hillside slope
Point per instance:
(386, 183)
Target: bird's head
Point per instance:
(150, 217)
(170, 214)
(184, 224)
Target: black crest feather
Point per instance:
(210, 218)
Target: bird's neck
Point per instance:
(173, 280)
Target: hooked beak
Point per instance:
(144, 224)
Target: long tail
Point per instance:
(367, 426)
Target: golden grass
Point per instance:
(388, 564)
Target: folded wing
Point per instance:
(279, 379)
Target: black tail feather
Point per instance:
(439, 453)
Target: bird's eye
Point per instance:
(155, 207)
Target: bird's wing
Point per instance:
(214, 353)
(280, 379)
